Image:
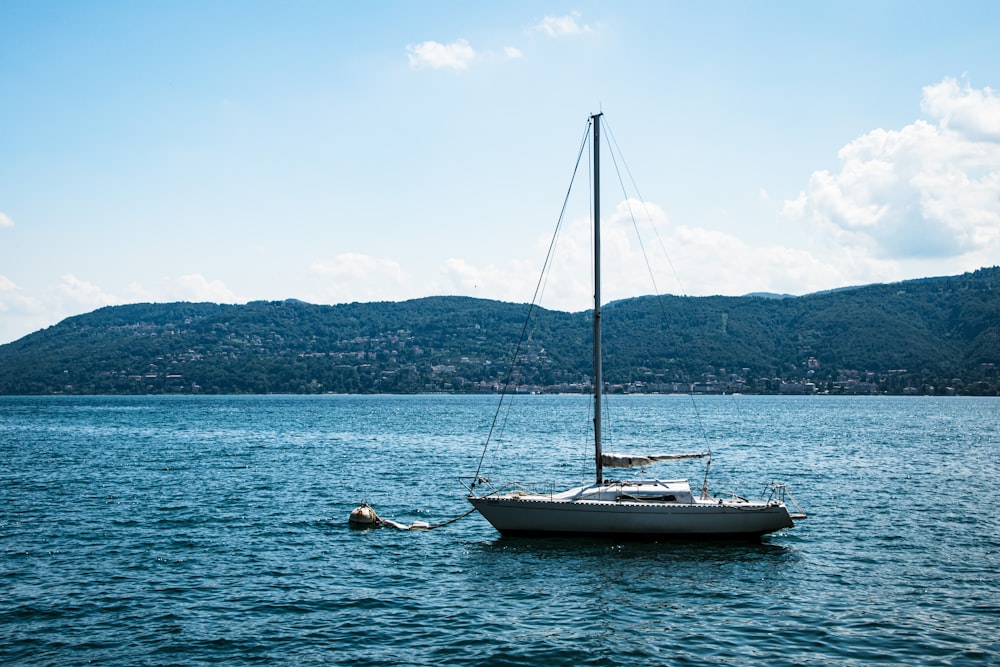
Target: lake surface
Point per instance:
(194, 530)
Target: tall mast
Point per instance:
(598, 373)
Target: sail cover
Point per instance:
(631, 461)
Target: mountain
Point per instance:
(933, 335)
(771, 295)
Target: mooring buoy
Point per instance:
(364, 516)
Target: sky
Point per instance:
(332, 152)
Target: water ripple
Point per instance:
(197, 530)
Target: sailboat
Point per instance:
(645, 508)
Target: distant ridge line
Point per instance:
(924, 336)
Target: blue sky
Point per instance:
(336, 152)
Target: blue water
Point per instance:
(194, 530)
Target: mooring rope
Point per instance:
(452, 520)
(365, 515)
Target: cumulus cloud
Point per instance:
(643, 253)
(25, 312)
(190, 287)
(514, 281)
(669, 259)
(195, 287)
(22, 314)
(359, 277)
(559, 26)
(5, 220)
(79, 295)
(435, 55)
(459, 54)
(928, 190)
(739, 267)
(973, 113)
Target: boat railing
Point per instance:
(483, 487)
(471, 482)
(781, 493)
(733, 497)
(474, 486)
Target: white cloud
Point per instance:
(928, 190)
(358, 277)
(22, 314)
(195, 287)
(77, 295)
(192, 287)
(558, 26)
(712, 262)
(670, 260)
(434, 55)
(973, 113)
(5, 220)
(697, 261)
(26, 312)
(512, 52)
(513, 282)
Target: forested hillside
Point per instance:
(936, 335)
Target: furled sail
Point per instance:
(631, 461)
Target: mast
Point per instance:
(598, 373)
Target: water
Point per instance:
(194, 530)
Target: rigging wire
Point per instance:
(509, 385)
(531, 318)
(666, 254)
(617, 151)
(616, 155)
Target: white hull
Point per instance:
(547, 515)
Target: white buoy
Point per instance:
(363, 516)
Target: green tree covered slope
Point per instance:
(935, 335)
